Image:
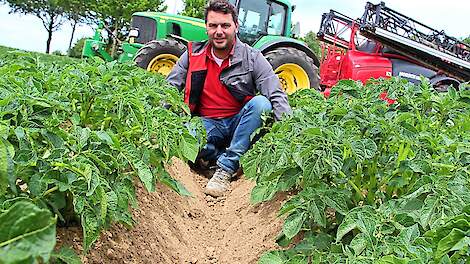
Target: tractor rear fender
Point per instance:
(289, 43)
(440, 80)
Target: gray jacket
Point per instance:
(247, 74)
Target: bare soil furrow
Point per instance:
(198, 229)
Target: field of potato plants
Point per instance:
(367, 182)
(73, 137)
(370, 182)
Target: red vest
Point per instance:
(195, 78)
(195, 82)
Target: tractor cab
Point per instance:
(267, 26)
(260, 18)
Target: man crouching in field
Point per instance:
(221, 78)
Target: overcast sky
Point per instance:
(26, 31)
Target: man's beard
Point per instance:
(227, 44)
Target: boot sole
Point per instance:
(214, 193)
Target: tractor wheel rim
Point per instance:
(162, 64)
(292, 77)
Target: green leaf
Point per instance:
(250, 167)
(312, 241)
(323, 241)
(293, 224)
(7, 176)
(361, 218)
(145, 175)
(290, 205)
(288, 179)
(317, 209)
(67, 255)
(427, 214)
(462, 244)
(273, 257)
(410, 234)
(26, 232)
(104, 136)
(91, 228)
(455, 237)
(393, 260)
(189, 147)
(103, 201)
(173, 184)
(364, 148)
(263, 192)
(359, 243)
(93, 180)
(38, 102)
(97, 160)
(312, 132)
(282, 240)
(83, 136)
(337, 200)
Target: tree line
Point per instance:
(116, 14)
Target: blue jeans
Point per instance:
(229, 138)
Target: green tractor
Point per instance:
(157, 40)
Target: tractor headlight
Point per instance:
(133, 33)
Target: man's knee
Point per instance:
(260, 104)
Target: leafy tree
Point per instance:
(313, 43)
(78, 12)
(467, 40)
(117, 14)
(51, 13)
(194, 8)
(57, 52)
(76, 50)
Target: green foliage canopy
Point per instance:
(79, 12)
(313, 43)
(76, 50)
(194, 8)
(74, 136)
(373, 182)
(467, 40)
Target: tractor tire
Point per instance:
(294, 68)
(159, 56)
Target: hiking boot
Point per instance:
(203, 167)
(219, 183)
(199, 164)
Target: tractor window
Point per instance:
(364, 44)
(368, 46)
(174, 29)
(252, 20)
(147, 28)
(276, 19)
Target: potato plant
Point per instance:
(73, 136)
(371, 182)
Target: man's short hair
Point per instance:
(221, 6)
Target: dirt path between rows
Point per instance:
(198, 229)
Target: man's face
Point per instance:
(221, 30)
